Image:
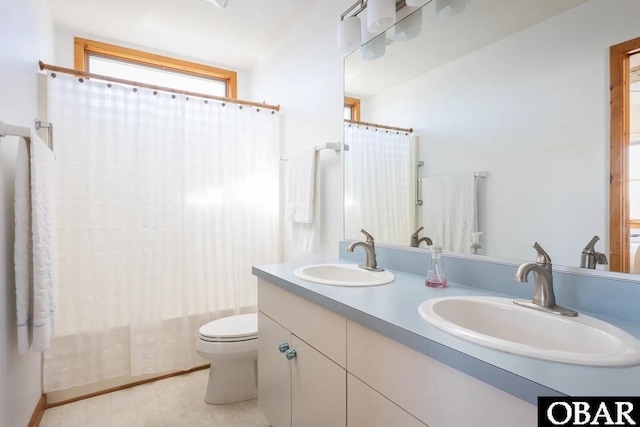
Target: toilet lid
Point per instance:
(233, 328)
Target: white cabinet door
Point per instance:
(318, 389)
(368, 408)
(274, 372)
(428, 389)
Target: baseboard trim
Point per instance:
(122, 387)
(38, 412)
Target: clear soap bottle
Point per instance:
(436, 277)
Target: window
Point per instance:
(144, 67)
(351, 109)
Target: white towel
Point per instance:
(449, 210)
(35, 245)
(301, 171)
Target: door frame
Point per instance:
(619, 221)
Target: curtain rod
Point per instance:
(375, 125)
(84, 74)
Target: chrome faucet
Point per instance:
(370, 250)
(590, 257)
(415, 241)
(543, 297)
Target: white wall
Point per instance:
(303, 74)
(26, 36)
(533, 111)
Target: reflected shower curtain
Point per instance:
(379, 184)
(164, 204)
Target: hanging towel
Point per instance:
(449, 210)
(35, 245)
(301, 169)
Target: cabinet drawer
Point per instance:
(319, 327)
(368, 408)
(433, 392)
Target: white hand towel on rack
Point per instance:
(35, 245)
(448, 210)
(301, 171)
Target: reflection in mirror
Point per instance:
(514, 88)
(378, 180)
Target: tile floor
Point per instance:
(172, 402)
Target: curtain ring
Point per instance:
(109, 85)
(135, 89)
(224, 103)
(53, 75)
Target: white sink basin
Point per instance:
(499, 323)
(343, 275)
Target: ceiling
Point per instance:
(235, 37)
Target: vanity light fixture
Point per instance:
(374, 48)
(349, 34)
(381, 14)
(446, 9)
(409, 28)
(348, 41)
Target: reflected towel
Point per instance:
(35, 245)
(448, 210)
(301, 169)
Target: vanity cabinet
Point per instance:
(344, 374)
(368, 408)
(434, 393)
(308, 387)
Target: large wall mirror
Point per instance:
(508, 103)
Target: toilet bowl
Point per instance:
(231, 344)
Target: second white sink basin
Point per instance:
(499, 323)
(343, 275)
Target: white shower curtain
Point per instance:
(379, 184)
(164, 203)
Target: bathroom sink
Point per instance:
(343, 275)
(500, 324)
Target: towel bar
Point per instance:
(335, 146)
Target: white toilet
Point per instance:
(231, 344)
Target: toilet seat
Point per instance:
(243, 327)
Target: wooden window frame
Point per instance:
(84, 47)
(619, 221)
(354, 103)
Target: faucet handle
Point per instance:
(543, 257)
(369, 236)
(590, 248)
(415, 234)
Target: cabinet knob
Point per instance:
(290, 354)
(283, 346)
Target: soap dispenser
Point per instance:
(476, 247)
(436, 277)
